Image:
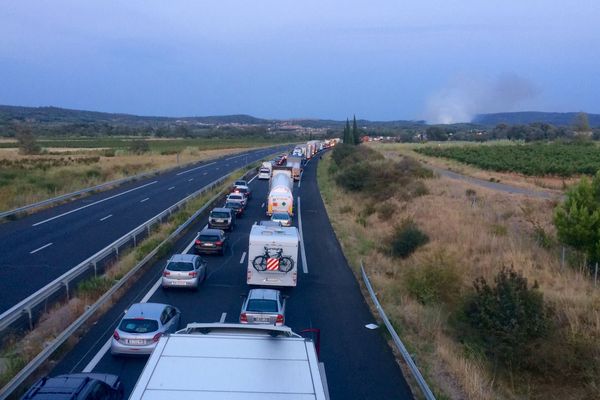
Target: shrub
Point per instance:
(434, 281)
(508, 317)
(139, 147)
(386, 210)
(345, 209)
(27, 143)
(109, 153)
(407, 238)
(354, 179)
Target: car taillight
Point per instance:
(279, 319)
(166, 273)
(156, 337)
(116, 335)
(218, 243)
(243, 318)
(193, 274)
(198, 241)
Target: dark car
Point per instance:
(235, 206)
(222, 218)
(82, 386)
(211, 241)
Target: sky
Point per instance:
(441, 61)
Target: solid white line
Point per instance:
(223, 316)
(104, 349)
(262, 205)
(302, 251)
(189, 246)
(193, 169)
(171, 188)
(146, 199)
(253, 178)
(41, 248)
(105, 218)
(243, 256)
(93, 204)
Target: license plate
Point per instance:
(182, 283)
(219, 220)
(136, 342)
(209, 244)
(262, 319)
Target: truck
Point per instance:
(295, 163)
(273, 256)
(281, 197)
(298, 151)
(264, 172)
(233, 361)
(313, 146)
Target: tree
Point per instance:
(577, 219)
(355, 132)
(27, 142)
(347, 134)
(139, 146)
(507, 317)
(582, 124)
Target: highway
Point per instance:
(40, 247)
(358, 362)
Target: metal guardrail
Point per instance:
(401, 348)
(27, 306)
(93, 188)
(26, 372)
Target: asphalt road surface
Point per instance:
(358, 362)
(38, 248)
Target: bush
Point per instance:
(406, 239)
(139, 147)
(508, 317)
(109, 153)
(354, 179)
(434, 281)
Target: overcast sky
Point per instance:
(379, 59)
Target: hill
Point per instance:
(528, 117)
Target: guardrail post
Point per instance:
(95, 269)
(134, 240)
(66, 283)
(117, 251)
(28, 311)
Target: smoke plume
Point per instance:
(466, 97)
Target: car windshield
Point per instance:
(240, 183)
(232, 205)
(138, 325)
(219, 214)
(261, 305)
(282, 216)
(241, 190)
(264, 170)
(180, 266)
(235, 196)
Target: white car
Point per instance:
(238, 198)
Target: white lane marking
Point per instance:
(243, 256)
(262, 205)
(41, 248)
(92, 204)
(105, 218)
(231, 158)
(302, 251)
(193, 169)
(146, 199)
(171, 188)
(206, 173)
(191, 179)
(217, 168)
(104, 349)
(189, 246)
(253, 178)
(223, 316)
(300, 181)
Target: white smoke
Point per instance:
(464, 97)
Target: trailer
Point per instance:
(280, 246)
(220, 361)
(295, 163)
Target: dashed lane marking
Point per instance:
(41, 248)
(105, 218)
(194, 169)
(243, 256)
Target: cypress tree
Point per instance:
(347, 135)
(355, 133)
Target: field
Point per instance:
(535, 159)
(473, 232)
(74, 164)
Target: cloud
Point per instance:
(464, 97)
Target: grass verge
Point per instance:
(473, 232)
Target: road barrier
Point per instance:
(401, 348)
(30, 368)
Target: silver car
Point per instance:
(142, 326)
(283, 218)
(263, 306)
(184, 270)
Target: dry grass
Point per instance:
(477, 238)
(19, 187)
(528, 182)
